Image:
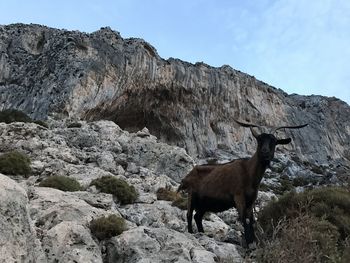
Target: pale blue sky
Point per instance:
(300, 46)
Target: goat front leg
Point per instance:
(249, 226)
(190, 213)
(198, 217)
(242, 213)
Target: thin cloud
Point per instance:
(299, 46)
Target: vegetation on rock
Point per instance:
(107, 227)
(74, 125)
(12, 115)
(15, 163)
(63, 183)
(169, 195)
(313, 226)
(41, 123)
(125, 193)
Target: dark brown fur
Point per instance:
(216, 188)
(190, 181)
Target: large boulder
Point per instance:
(144, 244)
(18, 238)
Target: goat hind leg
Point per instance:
(189, 215)
(198, 217)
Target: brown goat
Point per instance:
(190, 181)
(218, 187)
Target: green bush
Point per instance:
(41, 123)
(11, 115)
(301, 239)
(285, 185)
(107, 227)
(15, 163)
(74, 125)
(125, 193)
(264, 187)
(166, 194)
(317, 169)
(300, 181)
(169, 195)
(315, 220)
(63, 183)
(180, 202)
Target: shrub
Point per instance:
(285, 185)
(301, 239)
(11, 115)
(300, 181)
(125, 193)
(180, 202)
(63, 183)
(264, 187)
(166, 194)
(41, 123)
(74, 125)
(107, 227)
(317, 169)
(297, 225)
(15, 163)
(169, 195)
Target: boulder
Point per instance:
(18, 238)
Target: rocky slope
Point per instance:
(40, 224)
(45, 71)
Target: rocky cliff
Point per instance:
(45, 71)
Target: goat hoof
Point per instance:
(252, 246)
(244, 244)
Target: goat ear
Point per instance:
(284, 141)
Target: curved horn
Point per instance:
(288, 127)
(244, 124)
(255, 134)
(250, 125)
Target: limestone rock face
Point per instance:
(156, 245)
(71, 242)
(18, 240)
(47, 71)
(94, 150)
(42, 224)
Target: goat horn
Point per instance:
(250, 125)
(255, 134)
(244, 124)
(289, 127)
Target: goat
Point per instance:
(190, 181)
(218, 187)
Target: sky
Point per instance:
(299, 46)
